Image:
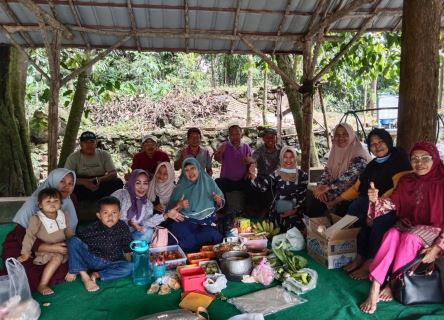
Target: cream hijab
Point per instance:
(162, 189)
(340, 158)
(288, 174)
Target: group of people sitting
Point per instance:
(398, 199)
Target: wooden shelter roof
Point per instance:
(207, 26)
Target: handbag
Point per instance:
(417, 283)
(160, 237)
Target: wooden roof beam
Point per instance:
(236, 24)
(341, 13)
(133, 23)
(344, 50)
(187, 25)
(42, 15)
(14, 17)
(270, 63)
(281, 23)
(19, 47)
(319, 8)
(77, 18)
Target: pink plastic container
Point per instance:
(260, 243)
(192, 279)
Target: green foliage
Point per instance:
(373, 56)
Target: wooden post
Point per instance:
(321, 101)
(279, 95)
(418, 88)
(53, 52)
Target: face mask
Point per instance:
(382, 159)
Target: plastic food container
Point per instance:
(205, 264)
(179, 256)
(192, 279)
(253, 241)
(208, 252)
(197, 257)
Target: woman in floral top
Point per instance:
(289, 186)
(347, 160)
(419, 204)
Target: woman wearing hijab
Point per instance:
(161, 186)
(347, 160)
(418, 201)
(64, 181)
(199, 198)
(385, 170)
(136, 210)
(289, 187)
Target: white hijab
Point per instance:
(31, 205)
(162, 189)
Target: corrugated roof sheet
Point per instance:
(213, 25)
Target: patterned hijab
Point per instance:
(199, 193)
(30, 207)
(136, 203)
(421, 198)
(288, 174)
(340, 158)
(163, 190)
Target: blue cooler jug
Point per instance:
(141, 262)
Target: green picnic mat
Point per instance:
(335, 297)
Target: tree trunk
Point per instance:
(441, 82)
(373, 94)
(289, 66)
(264, 98)
(213, 79)
(75, 116)
(17, 175)
(418, 88)
(249, 90)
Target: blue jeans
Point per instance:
(146, 235)
(80, 259)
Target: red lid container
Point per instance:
(192, 279)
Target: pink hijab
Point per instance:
(421, 198)
(340, 158)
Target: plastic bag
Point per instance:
(297, 287)
(263, 272)
(16, 301)
(296, 239)
(266, 301)
(215, 283)
(179, 314)
(248, 316)
(293, 237)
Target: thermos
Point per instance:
(141, 262)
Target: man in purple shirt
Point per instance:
(235, 157)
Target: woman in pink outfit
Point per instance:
(419, 204)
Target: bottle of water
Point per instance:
(141, 262)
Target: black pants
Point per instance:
(105, 189)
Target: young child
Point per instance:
(102, 247)
(50, 225)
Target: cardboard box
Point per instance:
(334, 246)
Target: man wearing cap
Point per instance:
(150, 156)
(94, 168)
(194, 149)
(267, 155)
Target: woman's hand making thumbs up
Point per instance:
(372, 193)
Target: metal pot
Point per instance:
(235, 264)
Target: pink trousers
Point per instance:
(398, 248)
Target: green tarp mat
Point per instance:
(335, 297)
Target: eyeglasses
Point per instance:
(421, 159)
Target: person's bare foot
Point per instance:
(44, 290)
(356, 263)
(94, 276)
(369, 305)
(70, 277)
(89, 284)
(362, 272)
(386, 294)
